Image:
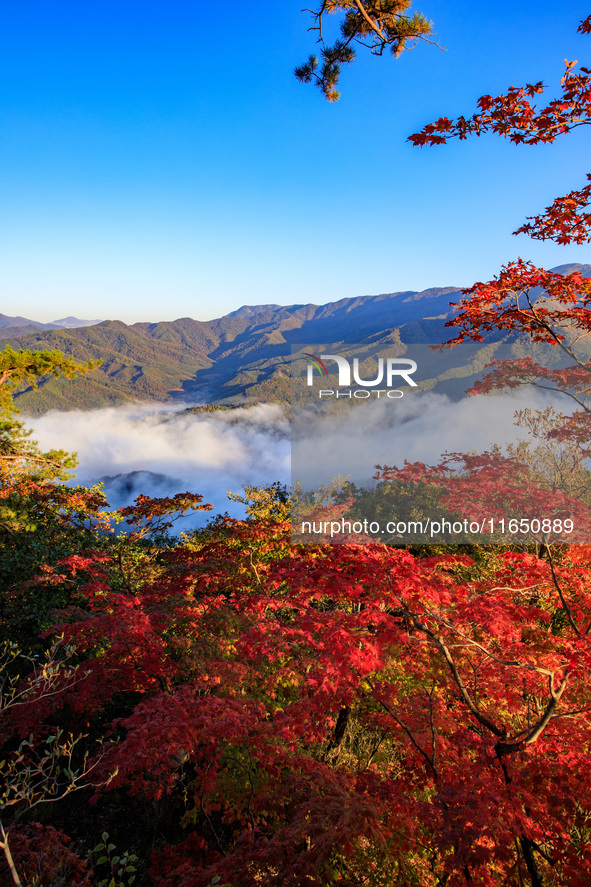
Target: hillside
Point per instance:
(246, 353)
(242, 354)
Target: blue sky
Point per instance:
(159, 160)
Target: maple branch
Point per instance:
(337, 739)
(543, 853)
(558, 339)
(507, 662)
(562, 391)
(431, 721)
(124, 577)
(528, 846)
(203, 810)
(579, 337)
(502, 747)
(520, 876)
(565, 605)
(374, 750)
(483, 719)
(572, 713)
(508, 747)
(564, 221)
(513, 589)
(255, 571)
(250, 797)
(403, 726)
(215, 837)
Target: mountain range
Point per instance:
(245, 354)
(21, 326)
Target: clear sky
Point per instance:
(159, 159)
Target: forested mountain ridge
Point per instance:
(243, 354)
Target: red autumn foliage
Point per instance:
(565, 221)
(549, 308)
(149, 514)
(43, 856)
(322, 712)
(488, 488)
(525, 299)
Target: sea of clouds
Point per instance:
(419, 427)
(159, 450)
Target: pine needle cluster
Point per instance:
(375, 24)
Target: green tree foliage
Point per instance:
(18, 453)
(28, 366)
(375, 24)
(40, 516)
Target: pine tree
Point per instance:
(375, 24)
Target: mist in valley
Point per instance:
(159, 450)
(419, 427)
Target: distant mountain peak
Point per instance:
(22, 326)
(253, 310)
(6, 322)
(571, 267)
(67, 323)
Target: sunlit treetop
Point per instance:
(26, 367)
(19, 454)
(375, 24)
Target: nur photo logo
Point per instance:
(390, 371)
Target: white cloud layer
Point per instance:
(419, 427)
(160, 451)
(207, 453)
